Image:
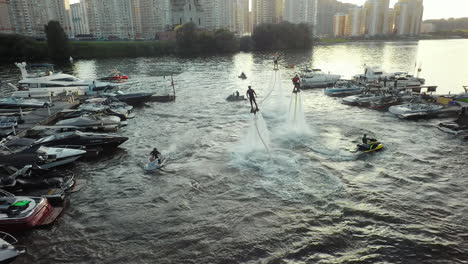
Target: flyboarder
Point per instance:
(251, 95)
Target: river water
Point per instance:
(225, 197)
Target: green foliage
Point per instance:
(118, 49)
(190, 41)
(282, 36)
(246, 43)
(57, 42)
(20, 48)
(186, 39)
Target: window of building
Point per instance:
(199, 21)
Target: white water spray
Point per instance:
(296, 118)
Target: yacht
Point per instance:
(375, 74)
(416, 109)
(48, 83)
(315, 78)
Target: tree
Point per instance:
(57, 42)
(186, 39)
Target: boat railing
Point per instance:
(8, 238)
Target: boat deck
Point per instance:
(42, 116)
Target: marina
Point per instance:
(292, 172)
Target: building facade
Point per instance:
(376, 16)
(355, 24)
(79, 19)
(339, 22)
(326, 10)
(5, 23)
(408, 17)
(267, 11)
(300, 11)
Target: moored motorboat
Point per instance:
(134, 99)
(344, 88)
(458, 126)
(93, 122)
(315, 78)
(16, 103)
(106, 142)
(47, 83)
(419, 109)
(8, 249)
(19, 213)
(371, 94)
(235, 97)
(114, 76)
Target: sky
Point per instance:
(433, 9)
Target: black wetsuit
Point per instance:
(251, 94)
(364, 139)
(155, 153)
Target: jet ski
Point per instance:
(242, 76)
(371, 146)
(155, 164)
(234, 97)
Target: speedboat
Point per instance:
(15, 103)
(107, 106)
(92, 122)
(114, 76)
(366, 98)
(134, 99)
(344, 88)
(49, 83)
(416, 110)
(104, 142)
(314, 78)
(44, 157)
(155, 164)
(27, 178)
(8, 250)
(234, 97)
(19, 213)
(462, 97)
(458, 126)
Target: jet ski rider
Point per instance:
(156, 154)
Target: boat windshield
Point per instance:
(67, 79)
(55, 137)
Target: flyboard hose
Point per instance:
(260, 136)
(274, 84)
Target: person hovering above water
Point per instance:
(296, 82)
(275, 61)
(251, 95)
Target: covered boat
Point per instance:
(104, 142)
(416, 110)
(93, 122)
(134, 99)
(370, 95)
(15, 103)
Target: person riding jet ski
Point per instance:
(369, 144)
(155, 154)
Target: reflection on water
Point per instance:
(312, 201)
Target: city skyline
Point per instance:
(432, 8)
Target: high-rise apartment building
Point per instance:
(339, 22)
(241, 17)
(326, 10)
(300, 11)
(151, 17)
(28, 17)
(355, 24)
(408, 17)
(377, 16)
(111, 19)
(267, 11)
(5, 23)
(79, 19)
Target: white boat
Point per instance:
(377, 75)
(315, 78)
(48, 83)
(59, 156)
(8, 251)
(415, 110)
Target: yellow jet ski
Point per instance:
(371, 146)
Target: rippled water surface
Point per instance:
(223, 198)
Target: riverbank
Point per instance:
(330, 41)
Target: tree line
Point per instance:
(189, 41)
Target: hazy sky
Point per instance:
(432, 8)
